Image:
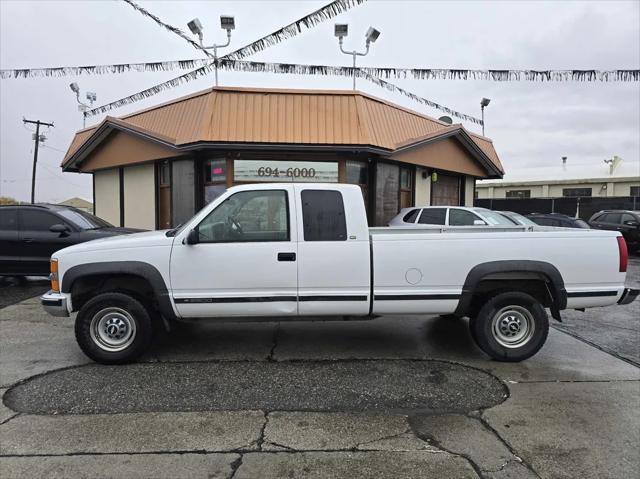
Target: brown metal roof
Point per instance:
(309, 117)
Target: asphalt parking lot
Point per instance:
(398, 397)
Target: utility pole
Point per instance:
(35, 152)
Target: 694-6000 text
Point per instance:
(289, 172)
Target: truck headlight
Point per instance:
(53, 267)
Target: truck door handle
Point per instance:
(286, 256)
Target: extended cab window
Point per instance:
(248, 216)
(323, 216)
(433, 216)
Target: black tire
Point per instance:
(499, 328)
(121, 315)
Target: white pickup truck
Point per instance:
(304, 251)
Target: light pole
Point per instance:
(83, 107)
(341, 30)
(227, 23)
(484, 102)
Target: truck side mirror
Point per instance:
(59, 228)
(193, 237)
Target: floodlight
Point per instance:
(74, 88)
(372, 35)
(91, 96)
(195, 26)
(227, 22)
(341, 30)
(484, 102)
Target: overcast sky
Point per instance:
(530, 123)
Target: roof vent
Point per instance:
(446, 119)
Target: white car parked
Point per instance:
(449, 216)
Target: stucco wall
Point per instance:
(139, 197)
(423, 188)
(107, 195)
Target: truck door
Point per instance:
(334, 261)
(245, 260)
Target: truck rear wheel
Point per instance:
(113, 328)
(510, 327)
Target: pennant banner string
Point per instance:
(419, 99)
(171, 28)
(381, 72)
(308, 21)
(279, 68)
(291, 30)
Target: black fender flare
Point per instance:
(133, 268)
(481, 271)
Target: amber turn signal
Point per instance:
(53, 266)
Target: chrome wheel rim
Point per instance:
(513, 326)
(113, 329)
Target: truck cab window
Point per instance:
(323, 216)
(248, 216)
(33, 220)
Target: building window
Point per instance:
(215, 179)
(357, 173)
(253, 171)
(518, 194)
(634, 191)
(576, 192)
(386, 193)
(164, 174)
(406, 187)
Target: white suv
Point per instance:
(449, 216)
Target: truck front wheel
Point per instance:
(510, 327)
(113, 328)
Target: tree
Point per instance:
(7, 200)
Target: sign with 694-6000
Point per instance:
(289, 171)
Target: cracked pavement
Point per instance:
(399, 397)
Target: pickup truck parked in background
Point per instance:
(30, 234)
(304, 251)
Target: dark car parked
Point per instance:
(625, 221)
(30, 234)
(557, 219)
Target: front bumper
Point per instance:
(55, 304)
(628, 295)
